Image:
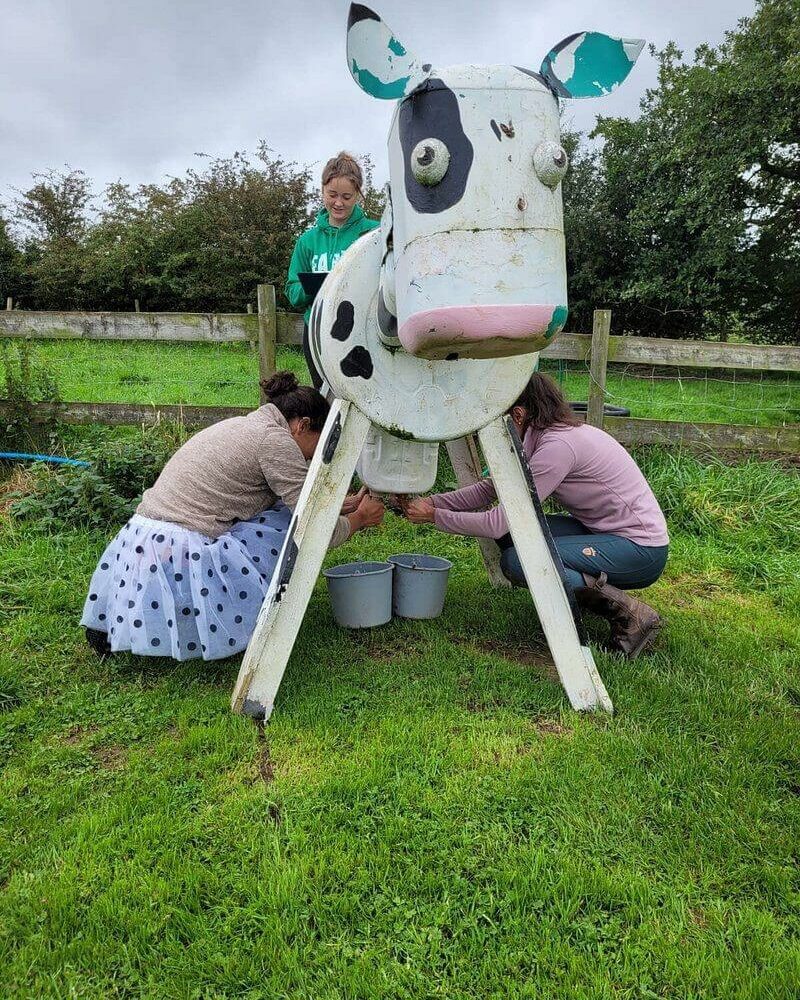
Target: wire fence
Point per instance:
(227, 374)
(92, 359)
(757, 398)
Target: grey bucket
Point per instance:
(361, 593)
(420, 585)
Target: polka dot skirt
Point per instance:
(162, 590)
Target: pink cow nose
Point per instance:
(483, 331)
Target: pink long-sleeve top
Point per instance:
(589, 473)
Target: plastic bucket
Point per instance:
(420, 585)
(361, 593)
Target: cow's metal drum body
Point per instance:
(431, 325)
(410, 397)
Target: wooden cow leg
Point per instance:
(467, 466)
(300, 561)
(574, 662)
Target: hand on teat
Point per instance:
(368, 514)
(420, 510)
(352, 500)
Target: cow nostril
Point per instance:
(426, 157)
(522, 203)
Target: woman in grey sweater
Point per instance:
(187, 575)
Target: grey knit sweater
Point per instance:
(230, 472)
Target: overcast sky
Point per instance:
(132, 89)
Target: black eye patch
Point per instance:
(432, 112)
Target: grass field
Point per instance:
(424, 816)
(227, 374)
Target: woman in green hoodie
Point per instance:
(338, 226)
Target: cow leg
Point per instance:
(467, 466)
(574, 661)
(300, 560)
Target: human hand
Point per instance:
(420, 511)
(368, 514)
(352, 500)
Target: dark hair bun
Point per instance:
(279, 384)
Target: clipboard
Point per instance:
(312, 281)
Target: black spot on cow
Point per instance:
(386, 321)
(451, 357)
(315, 328)
(357, 364)
(496, 130)
(343, 326)
(426, 67)
(358, 12)
(431, 112)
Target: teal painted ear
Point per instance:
(379, 64)
(590, 64)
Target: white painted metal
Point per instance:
(314, 521)
(574, 662)
(429, 327)
(406, 395)
(389, 464)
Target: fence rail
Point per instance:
(271, 327)
(628, 430)
(288, 327)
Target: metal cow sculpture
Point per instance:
(428, 329)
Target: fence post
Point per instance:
(267, 333)
(249, 308)
(601, 328)
(136, 305)
(9, 304)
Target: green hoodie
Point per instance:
(319, 248)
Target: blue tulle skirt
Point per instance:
(163, 590)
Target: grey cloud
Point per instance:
(133, 90)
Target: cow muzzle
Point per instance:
(484, 294)
(481, 331)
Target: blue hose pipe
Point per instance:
(20, 456)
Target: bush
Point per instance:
(102, 496)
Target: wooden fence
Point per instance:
(272, 327)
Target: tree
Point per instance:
(705, 187)
(53, 216)
(10, 261)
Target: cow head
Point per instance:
(474, 263)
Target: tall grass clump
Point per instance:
(750, 510)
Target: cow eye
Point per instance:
(550, 163)
(429, 161)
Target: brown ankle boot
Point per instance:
(634, 624)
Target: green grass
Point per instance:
(424, 816)
(227, 374)
(691, 395)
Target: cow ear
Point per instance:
(590, 64)
(379, 64)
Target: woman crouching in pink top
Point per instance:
(613, 537)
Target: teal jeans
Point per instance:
(628, 565)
